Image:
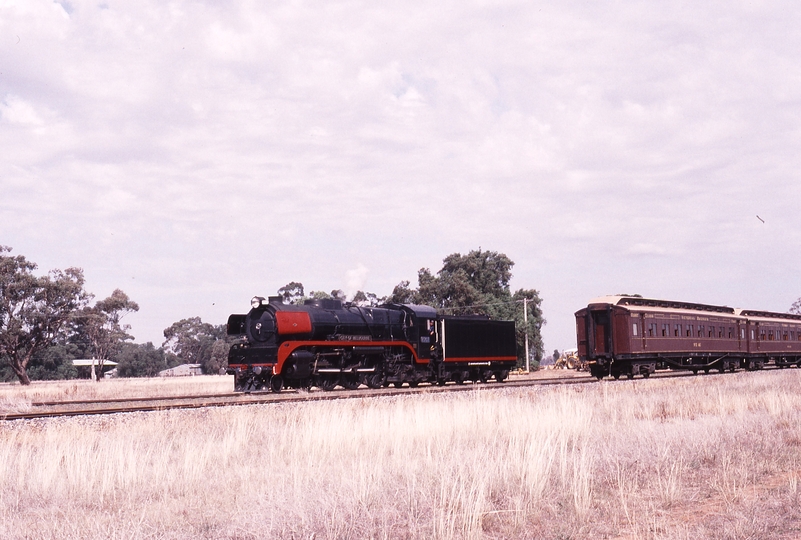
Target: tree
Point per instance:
(402, 294)
(338, 294)
(100, 326)
(292, 293)
(196, 342)
(536, 321)
(55, 362)
(135, 360)
(796, 307)
(367, 299)
(478, 283)
(34, 310)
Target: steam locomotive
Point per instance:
(627, 335)
(328, 343)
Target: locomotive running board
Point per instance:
(335, 370)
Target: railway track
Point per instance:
(52, 409)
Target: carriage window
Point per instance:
(752, 334)
(700, 330)
(652, 329)
(664, 330)
(677, 330)
(731, 332)
(770, 335)
(634, 329)
(785, 336)
(689, 330)
(742, 333)
(711, 331)
(720, 332)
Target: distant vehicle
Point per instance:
(568, 359)
(626, 335)
(326, 343)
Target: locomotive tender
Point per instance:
(626, 335)
(326, 343)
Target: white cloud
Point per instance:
(189, 150)
(17, 111)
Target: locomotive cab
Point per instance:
(420, 329)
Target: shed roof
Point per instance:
(89, 361)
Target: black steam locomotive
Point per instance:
(326, 343)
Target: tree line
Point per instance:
(48, 321)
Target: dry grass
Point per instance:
(703, 457)
(15, 398)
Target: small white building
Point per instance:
(184, 370)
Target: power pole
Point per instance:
(525, 324)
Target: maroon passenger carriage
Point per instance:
(627, 335)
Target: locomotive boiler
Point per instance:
(327, 343)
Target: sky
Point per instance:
(195, 154)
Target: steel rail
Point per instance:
(290, 396)
(128, 400)
(224, 395)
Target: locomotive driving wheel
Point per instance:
(329, 382)
(374, 380)
(351, 381)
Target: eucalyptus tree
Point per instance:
(34, 310)
(101, 327)
(479, 283)
(195, 342)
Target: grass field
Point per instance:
(14, 397)
(683, 458)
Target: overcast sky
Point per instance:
(195, 154)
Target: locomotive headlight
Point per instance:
(255, 303)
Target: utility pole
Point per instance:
(525, 324)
